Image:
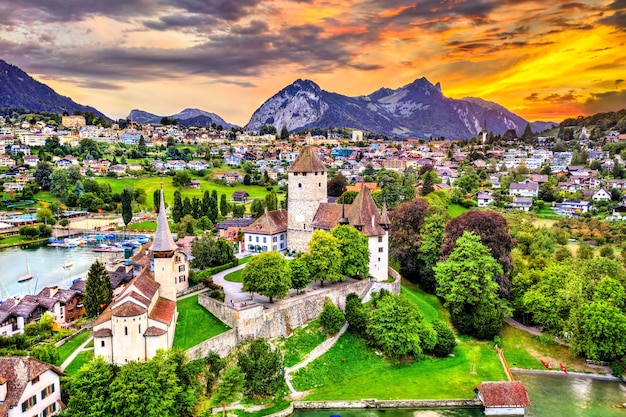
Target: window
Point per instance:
(264, 239)
(35, 380)
(319, 184)
(102, 343)
(380, 239)
(47, 391)
(275, 239)
(295, 174)
(257, 239)
(181, 268)
(49, 410)
(299, 185)
(381, 250)
(282, 237)
(316, 173)
(249, 238)
(178, 258)
(125, 331)
(139, 329)
(32, 401)
(304, 174)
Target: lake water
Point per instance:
(551, 396)
(46, 264)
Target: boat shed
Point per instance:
(503, 398)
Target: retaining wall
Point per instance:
(221, 344)
(373, 403)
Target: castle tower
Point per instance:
(163, 248)
(307, 189)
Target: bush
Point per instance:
(356, 314)
(445, 339)
(217, 295)
(618, 368)
(263, 368)
(332, 318)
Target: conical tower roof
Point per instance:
(307, 161)
(384, 217)
(163, 241)
(364, 214)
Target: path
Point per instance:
(532, 330)
(315, 353)
(79, 349)
(232, 290)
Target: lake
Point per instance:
(46, 264)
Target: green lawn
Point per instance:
(81, 359)
(149, 225)
(195, 324)
(548, 213)
(351, 370)
(18, 240)
(303, 340)
(234, 276)
(456, 210)
(66, 349)
(150, 184)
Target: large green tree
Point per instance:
(466, 282)
(263, 367)
(299, 273)
(98, 291)
(208, 251)
(177, 208)
(324, 258)
(267, 274)
(90, 389)
(229, 388)
(42, 175)
(355, 254)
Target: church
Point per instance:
(141, 318)
(309, 210)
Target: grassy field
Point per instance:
(548, 213)
(81, 359)
(303, 340)
(234, 276)
(351, 370)
(195, 324)
(19, 240)
(523, 350)
(151, 184)
(456, 210)
(66, 349)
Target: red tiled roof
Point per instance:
(364, 213)
(144, 283)
(269, 223)
(18, 371)
(128, 309)
(103, 333)
(164, 311)
(307, 161)
(154, 331)
(503, 394)
(328, 215)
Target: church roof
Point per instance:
(270, 223)
(103, 333)
(164, 311)
(307, 161)
(154, 331)
(128, 309)
(163, 241)
(364, 213)
(384, 217)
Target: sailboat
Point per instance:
(28, 276)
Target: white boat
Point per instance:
(28, 276)
(68, 264)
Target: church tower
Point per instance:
(163, 250)
(307, 190)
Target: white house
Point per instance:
(484, 199)
(29, 387)
(524, 189)
(267, 233)
(601, 195)
(522, 203)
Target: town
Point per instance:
(345, 207)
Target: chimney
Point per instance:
(3, 389)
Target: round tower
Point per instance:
(307, 190)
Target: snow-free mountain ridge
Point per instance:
(186, 117)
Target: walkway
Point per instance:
(232, 290)
(79, 349)
(315, 353)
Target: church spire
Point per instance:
(163, 241)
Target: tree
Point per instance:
(356, 314)
(156, 200)
(355, 254)
(267, 274)
(59, 183)
(432, 234)
(208, 251)
(392, 191)
(127, 206)
(347, 197)
(404, 236)
(332, 319)
(445, 339)
(271, 201)
(186, 226)
(224, 206)
(324, 258)
(527, 136)
(42, 175)
(263, 368)
(394, 327)
(229, 388)
(257, 208)
(45, 215)
(90, 389)
(177, 209)
(299, 273)
(181, 179)
(284, 133)
(337, 185)
(74, 174)
(238, 210)
(602, 335)
(98, 291)
(494, 233)
(427, 184)
(465, 280)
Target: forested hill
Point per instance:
(603, 121)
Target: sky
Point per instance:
(544, 60)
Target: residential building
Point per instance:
(524, 189)
(267, 233)
(522, 203)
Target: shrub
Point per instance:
(356, 314)
(445, 339)
(217, 295)
(331, 318)
(263, 368)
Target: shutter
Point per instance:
(43, 393)
(24, 406)
(52, 387)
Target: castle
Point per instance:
(309, 210)
(142, 315)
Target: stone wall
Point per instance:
(373, 403)
(222, 344)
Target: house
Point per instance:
(197, 165)
(6, 161)
(503, 398)
(601, 195)
(175, 165)
(522, 203)
(194, 184)
(240, 196)
(71, 302)
(484, 199)
(29, 387)
(526, 188)
(573, 207)
(267, 233)
(31, 160)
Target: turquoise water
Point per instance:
(45, 263)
